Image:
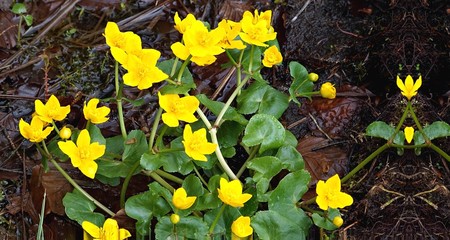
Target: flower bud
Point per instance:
(174, 218)
(65, 133)
(313, 77)
(327, 90)
(338, 221)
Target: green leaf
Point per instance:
(262, 98)
(435, 130)
(223, 226)
(253, 57)
(265, 167)
(193, 186)
(115, 145)
(265, 130)
(215, 107)
(135, 102)
(170, 161)
(291, 159)
(187, 228)
(289, 191)
(79, 208)
(28, 19)
(290, 139)
(324, 222)
(228, 134)
(270, 225)
(383, 130)
(301, 83)
(135, 145)
(187, 82)
(143, 207)
(19, 8)
(96, 135)
(261, 188)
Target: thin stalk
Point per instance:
(253, 153)
(119, 101)
(55, 127)
(169, 176)
(160, 180)
(364, 162)
(216, 220)
(123, 191)
(400, 123)
(81, 190)
(223, 163)
(183, 66)
(200, 176)
(250, 64)
(442, 153)
(151, 139)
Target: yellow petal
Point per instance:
(322, 202)
(341, 200)
(88, 168)
(418, 83)
(170, 119)
(70, 149)
(83, 140)
(96, 150)
(409, 83)
(180, 51)
(91, 229)
(123, 234)
(400, 84)
(409, 134)
(334, 183)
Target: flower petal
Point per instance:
(91, 228)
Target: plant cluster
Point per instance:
(209, 200)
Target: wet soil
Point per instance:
(360, 46)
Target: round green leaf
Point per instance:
(19, 8)
(265, 130)
(79, 208)
(187, 228)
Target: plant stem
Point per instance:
(183, 66)
(19, 29)
(442, 153)
(81, 190)
(252, 154)
(200, 176)
(126, 181)
(216, 220)
(364, 162)
(223, 163)
(160, 180)
(151, 139)
(169, 176)
(119, 101)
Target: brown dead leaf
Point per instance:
(322, 160)
(54, 184)
(8, 30)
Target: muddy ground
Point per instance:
(358, 45)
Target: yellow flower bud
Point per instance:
(313, 77)
(338, 221)
(409, 134)
(65, 133)
(174, 218)
(327, 90)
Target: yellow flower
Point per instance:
(180, 199)
(329, 194)
(52, 110)
(121, 43)
(256, 30)
(178, 108)
(231, 193)
(272, 57)
(202, 42)
(313, 77)
(93, 113)
(180, 51)
(338, 221)
(409, 88)
(174, 218)
(232, 30)
(264, 16)
(35, 131)
(65, 133)
(84, 153)
(109, 231)
(327, 90)
(409, 134)
(196, 145)
(241, 227)
(143, 74)
(182, 25)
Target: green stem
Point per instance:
(442, 153)
(160, 180)
(55, 127)
(19, 28)
(231, 58)
(183, 66)
(216, 220)
(364, 162)
(119, 101)
(174, 67)
(123, 191)
(169, 176)
(151, 139)
(204, 118)
(223, 163)
(409, 146)
(81, 190)
(252, 154)
(400, 123)
(200, 176)
(250, 64)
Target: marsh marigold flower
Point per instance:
(256, 29)
(142, 72)
(232, 30)
(109, 231)
(272, 56)
(196, 145)
(313, 77)
(327, 90)
(35, 131)
(84, 153)
(329, 194)
(409, 134)
(174, 218)
(120, 43)
(231, 193)
(95, 114)
(178, 109)
(65, 133)
(182, 25)
(180, 199)
(52, 110)
(241, 227)
(409, 88)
